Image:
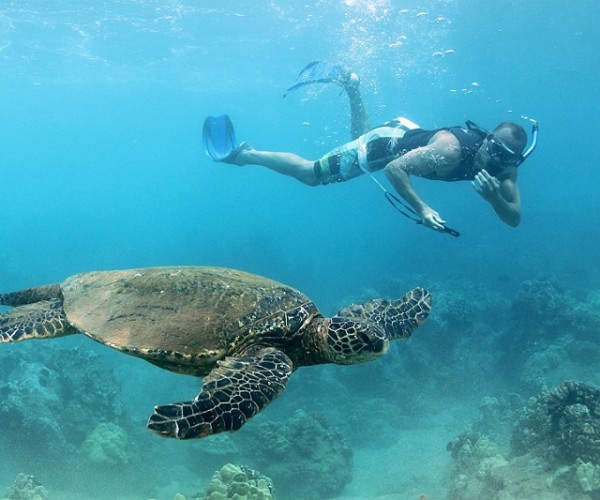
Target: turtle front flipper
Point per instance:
(43, 319)
(232, 393)
(399, 318)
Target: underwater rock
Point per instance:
(107, 443)
(469, 450)
(28, 393)
(566, 357)
(458, 312)
(497, 416)
(54, 396)
(477, 467)
(305, 456)
(574, 409)
(88, 388)
(587, 475)
(542, 365)
(480, 472)
(563, 425)
(541, 300)
(25, 487)
(240, 483)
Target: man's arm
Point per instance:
(503, 195)
(440, 155)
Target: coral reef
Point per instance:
(521, 477)
(548, 364)
(552, 335)
(555, 448)
(540, 300)
(544, 305)
(458, 312)
(476, 467)
(305, 457)
(563, 424)
(497, 415)
(29, 392)
(238, 482)
(69, 386)
(587, 476)
(107, 444)
(479, 471)
(25, 487)
(469, 450)
(55, 396)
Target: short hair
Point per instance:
(518, 135)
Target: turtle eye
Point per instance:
(355, 341)
(364, 338)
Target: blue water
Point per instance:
(101, 111)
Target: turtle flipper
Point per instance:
(232, 393)
(399, 318)
(39, 320)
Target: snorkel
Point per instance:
(520, 158)
(534, 134)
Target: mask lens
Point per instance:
(500, 151)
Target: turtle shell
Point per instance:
(183, 318)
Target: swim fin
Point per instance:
(320, 72)
(219, 141)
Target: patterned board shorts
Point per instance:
(383, 144)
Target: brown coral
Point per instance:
(574, 409)
(564, 423)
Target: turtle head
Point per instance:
(350, 341)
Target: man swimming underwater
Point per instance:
(398, 147)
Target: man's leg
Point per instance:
(300, 168)
(288, 164)
(359, 120)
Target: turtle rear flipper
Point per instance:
(40, 320)
(30, 295)
(399, 318)
(232, 393)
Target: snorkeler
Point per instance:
(398, 147)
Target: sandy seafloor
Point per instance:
(101, 112)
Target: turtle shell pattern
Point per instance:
(183, 318)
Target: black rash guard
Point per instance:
(390, 141)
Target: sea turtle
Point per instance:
(243, 333)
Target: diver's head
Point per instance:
(503, 147)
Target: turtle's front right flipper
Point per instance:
(399, 318)
(233, 392)
(42, 319)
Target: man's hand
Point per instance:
(503, 195)
(486, 185)
(431, 219)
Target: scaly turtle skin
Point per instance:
(243, 333)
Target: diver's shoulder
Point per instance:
(446, 144)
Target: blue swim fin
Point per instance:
(320, 72)
(218, 139)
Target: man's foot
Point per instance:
(322, 72)
(351, 83)
(236, 157)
